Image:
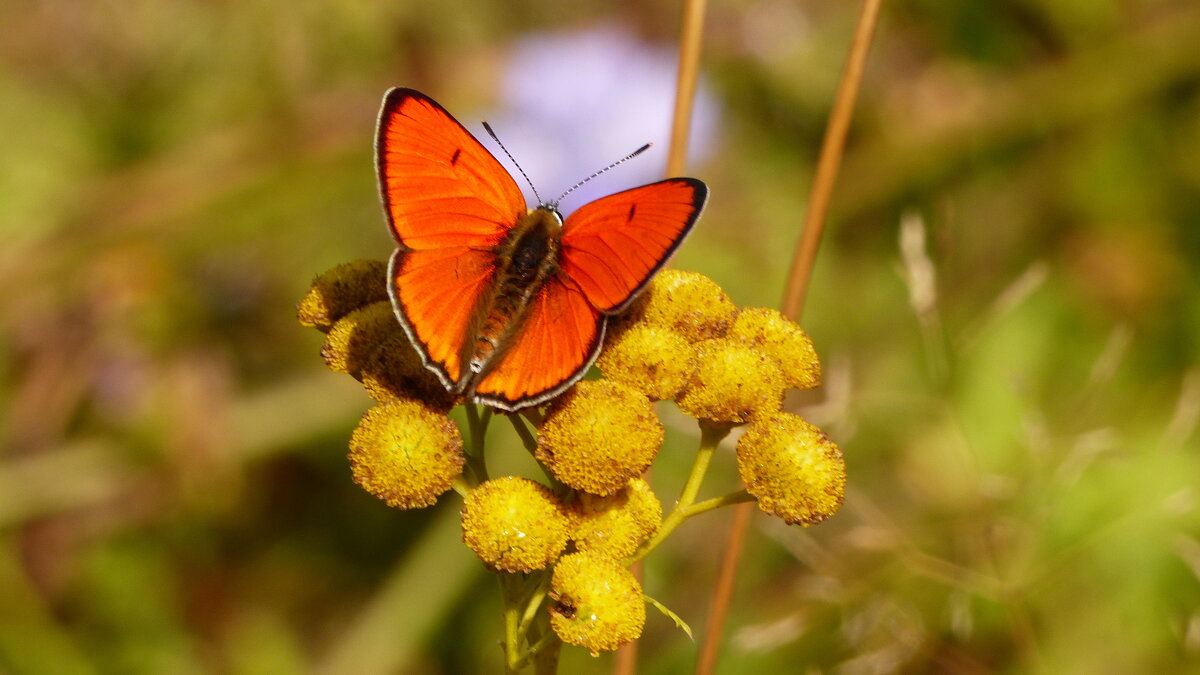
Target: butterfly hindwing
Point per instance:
(613, 246)
(422, 283)
(439, 185)
(557, 342)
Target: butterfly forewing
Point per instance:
(614, 245)
(440, 186)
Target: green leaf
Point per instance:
(672, 616)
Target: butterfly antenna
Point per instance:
(496, 138)
(580, 184)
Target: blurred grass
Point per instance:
(1021, 444)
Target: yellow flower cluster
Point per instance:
(682, 340)
(515, 524)
(518, 525)
(599, 435)
(617, 524)
(342, 290)
(685, 339)
(793, 469)
(405, 451)
(598, 604)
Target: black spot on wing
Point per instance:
(632, 210)
(454, 157)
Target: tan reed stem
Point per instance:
(691, 32)
(797, 287)
(625, 662)
(690, 38)
(829, 161)
(723, 591)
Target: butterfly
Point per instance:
(508, 305)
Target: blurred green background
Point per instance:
(1005, 303)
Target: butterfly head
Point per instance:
(548, 209)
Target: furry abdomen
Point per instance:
(526, 258)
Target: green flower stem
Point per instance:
(510, 592)
(461, 485)
(710, 437)
(527, 437)
(476, 463)
(547, 645)
(530, 443)
(545, 659)
(534, 603)
(717, 502)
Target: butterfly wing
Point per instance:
(448, 203)
(612, 247)
(558, 341)
(440, 187)
(610, 250)
(433, 292)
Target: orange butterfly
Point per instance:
(508, 305)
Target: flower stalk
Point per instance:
(710, 438)
(477, 424)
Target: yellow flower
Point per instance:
(615, 525)
(406, 453)
(654, 360)
(732, 384)
(341, 290)
(598, 436)
(772, 333)
(514, 524)
(394, 370)
(793, 469)
(357, 335)
(688, 303)
(598, 604)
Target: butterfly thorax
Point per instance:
(525, 259)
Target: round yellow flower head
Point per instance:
(771, 332)
(598, 603)
(515, 524)
(406, 453)
(732, 383)
(793, 469)
(615, 525)
(394, 370)
(654, 360)
(341, 290)
(688, 303)
(357, 335)
(599, 435)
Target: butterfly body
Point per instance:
(526, 258)
(505, 304)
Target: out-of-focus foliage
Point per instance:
(1006, 305)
